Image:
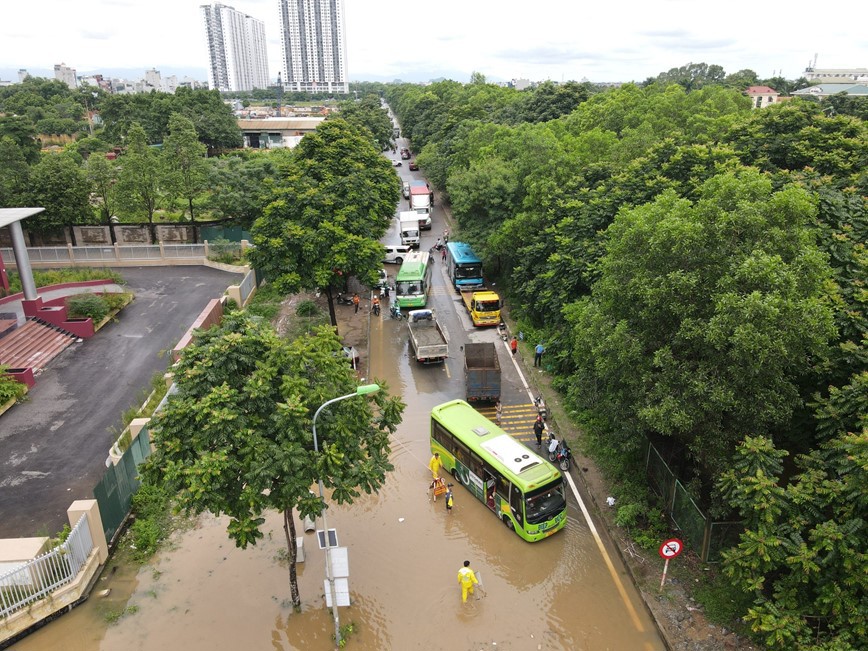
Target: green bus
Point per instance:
(413, 281)
(521, 488)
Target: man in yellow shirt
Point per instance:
(467, 579)
(434, 465)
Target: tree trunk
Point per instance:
(289, 530)
(332, 315)
(152, 228)
(193, 222)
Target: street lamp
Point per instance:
(362, 390)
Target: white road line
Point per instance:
(612, 571)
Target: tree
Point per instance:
(327, 214)
(805, 546)
(236, 438)
(21, 131)
(103, 176)
(184, 163)
(13, 173)
(699, 305)
(139, 180)
(58, 184)
(368, 113)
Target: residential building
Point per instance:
(276, 133)
(313, 40)
(761, 96)
(64, 73)
(152, 79)
(22, 75)
(238, 59)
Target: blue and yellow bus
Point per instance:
(463, 266)
(521, 488)
(413, 281)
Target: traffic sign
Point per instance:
(671, 548)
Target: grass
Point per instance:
(44, 277)
(153, 395)
(266, 302)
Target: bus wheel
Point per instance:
(509, 524)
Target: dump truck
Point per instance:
(483, 306)
(428, 342)
(481, 372)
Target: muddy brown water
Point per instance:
(202, 593)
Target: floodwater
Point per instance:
(567, 592)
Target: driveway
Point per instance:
(54, 445)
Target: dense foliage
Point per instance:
(697, 271)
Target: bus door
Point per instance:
(490, 485)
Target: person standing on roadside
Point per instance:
(498, 410)
(513, 345)
(538, 428)
(356, 301)
(467, 579)
(538, 353)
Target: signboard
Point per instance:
(671, 548)
(342, 592)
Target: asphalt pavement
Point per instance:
(53, 446)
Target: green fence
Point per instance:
(115, 490)
(231, 233)
(701, 535)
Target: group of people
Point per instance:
(466, 577)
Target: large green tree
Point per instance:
(103, 176)
(706, 317)
(236, 438)
(59, 184)
(804, 552)
(335, 200)
(139, 182)
(13, 173)
(184, 164)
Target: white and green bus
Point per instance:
(413, 281)
(521, 488)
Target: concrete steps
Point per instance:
(33, 345)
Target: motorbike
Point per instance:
(375, 308)
(342, 299)
(560, 453)
(540, 406)
(501, 330)
(395, 312)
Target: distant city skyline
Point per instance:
(388, 39)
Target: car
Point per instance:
(395, 253)
(397, 163)
(352, 355)
(414, 166)
(405, 153)
(405, 189)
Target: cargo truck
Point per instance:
(420, 203)
(481, 372)
(483, 306)
(409, 228)
(428, 343)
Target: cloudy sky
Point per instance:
(606, 40)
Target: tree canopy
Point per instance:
(236, 438)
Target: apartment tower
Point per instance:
(236, 49)
(313, 41)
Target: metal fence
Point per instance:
(66, 255)
(114, 492)
(38, 577)
(707, 538)
(247, 286)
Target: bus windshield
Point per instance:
(468, 271)
(540, 505)
(408, 288)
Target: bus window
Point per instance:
(443, 437)
(541, 503)
(461, 452)
(502, 486)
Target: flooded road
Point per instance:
(567, 592)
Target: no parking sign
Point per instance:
(669, 549)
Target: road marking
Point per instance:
(612, 571)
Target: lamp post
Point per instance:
(362, 390)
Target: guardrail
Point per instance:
(117, 255)
(38, 577)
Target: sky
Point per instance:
(561, 40)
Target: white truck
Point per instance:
(428, 342)
(409, 228)
(420, 203)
